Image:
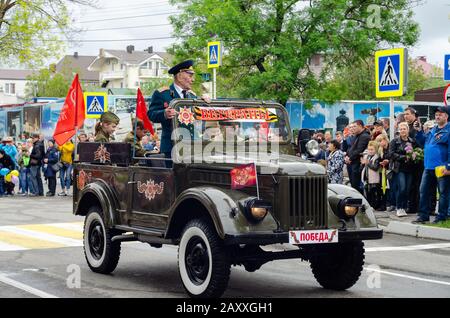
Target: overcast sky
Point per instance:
(432, 16)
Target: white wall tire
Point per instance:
(102, 255)
(203, 263)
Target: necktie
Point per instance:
(185, 93)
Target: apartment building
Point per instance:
(129, 68)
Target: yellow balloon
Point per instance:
(8, 177)
(15, 173)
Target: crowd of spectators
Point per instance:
(31, 162)
(405, 175)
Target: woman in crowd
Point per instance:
(10, 149)
(401, 167)
(65, 174)
(7, 162)
(51, 159)
(387, 186)
(370, 175)
(378, 130)
(335, 166)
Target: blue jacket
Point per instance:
(11, 151)
(436, 150)
(160, 101)
(52, 155)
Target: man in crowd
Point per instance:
(437, 155)
(362, 138)
(411, 118)
(386, 124)
(339, 138)
(36, 156)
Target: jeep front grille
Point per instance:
(308, 206)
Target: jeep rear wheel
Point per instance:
(338, 266)
(102, 254)
(203, 263)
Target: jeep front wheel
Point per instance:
(203, 263)
(102, 254)
(338, 266)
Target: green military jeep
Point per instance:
(208, 200)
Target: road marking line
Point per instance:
(25, 241)
(48, 228)
(78, 226)
(26, 288)
(5, 247)
(408, 248)
(42, 236)
(408, 276)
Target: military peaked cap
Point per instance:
(186, 66)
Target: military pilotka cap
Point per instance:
(110, 118)
(186, 66)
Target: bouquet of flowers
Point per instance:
(414, 154)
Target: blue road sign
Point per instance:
(447, 68)
(388, 77)
(391, 72)
(214, 54)
(96, 104)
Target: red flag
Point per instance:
(243, 176)
(72, 114)
(141, 112)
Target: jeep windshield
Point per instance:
(231, 122)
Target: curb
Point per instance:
(415, 230)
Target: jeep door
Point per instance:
(151, 193)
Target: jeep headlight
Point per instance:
(312, 147)
(350, 210)
(349, 207)
(256, 210)
(345, 208)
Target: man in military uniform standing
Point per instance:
(106, 127)
(136, 144)
(159, 110)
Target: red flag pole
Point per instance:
(257, 185)
(76, 121)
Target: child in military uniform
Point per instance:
(106, 127)
(140, 132)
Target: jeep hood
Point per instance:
(279, 164)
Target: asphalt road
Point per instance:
(41, 256)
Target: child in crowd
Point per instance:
(370, 174)
(25, 173)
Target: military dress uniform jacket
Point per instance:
(139, 151)
(102, 136)
(160, 101)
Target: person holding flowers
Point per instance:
(402, 167)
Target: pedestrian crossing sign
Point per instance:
(214, 54)
(96, 104)
(391, 72)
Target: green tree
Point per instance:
(32, 30)
(150, 86)
(269, 43)
(357, 82)
(46, 83)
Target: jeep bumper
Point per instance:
(283, 237)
